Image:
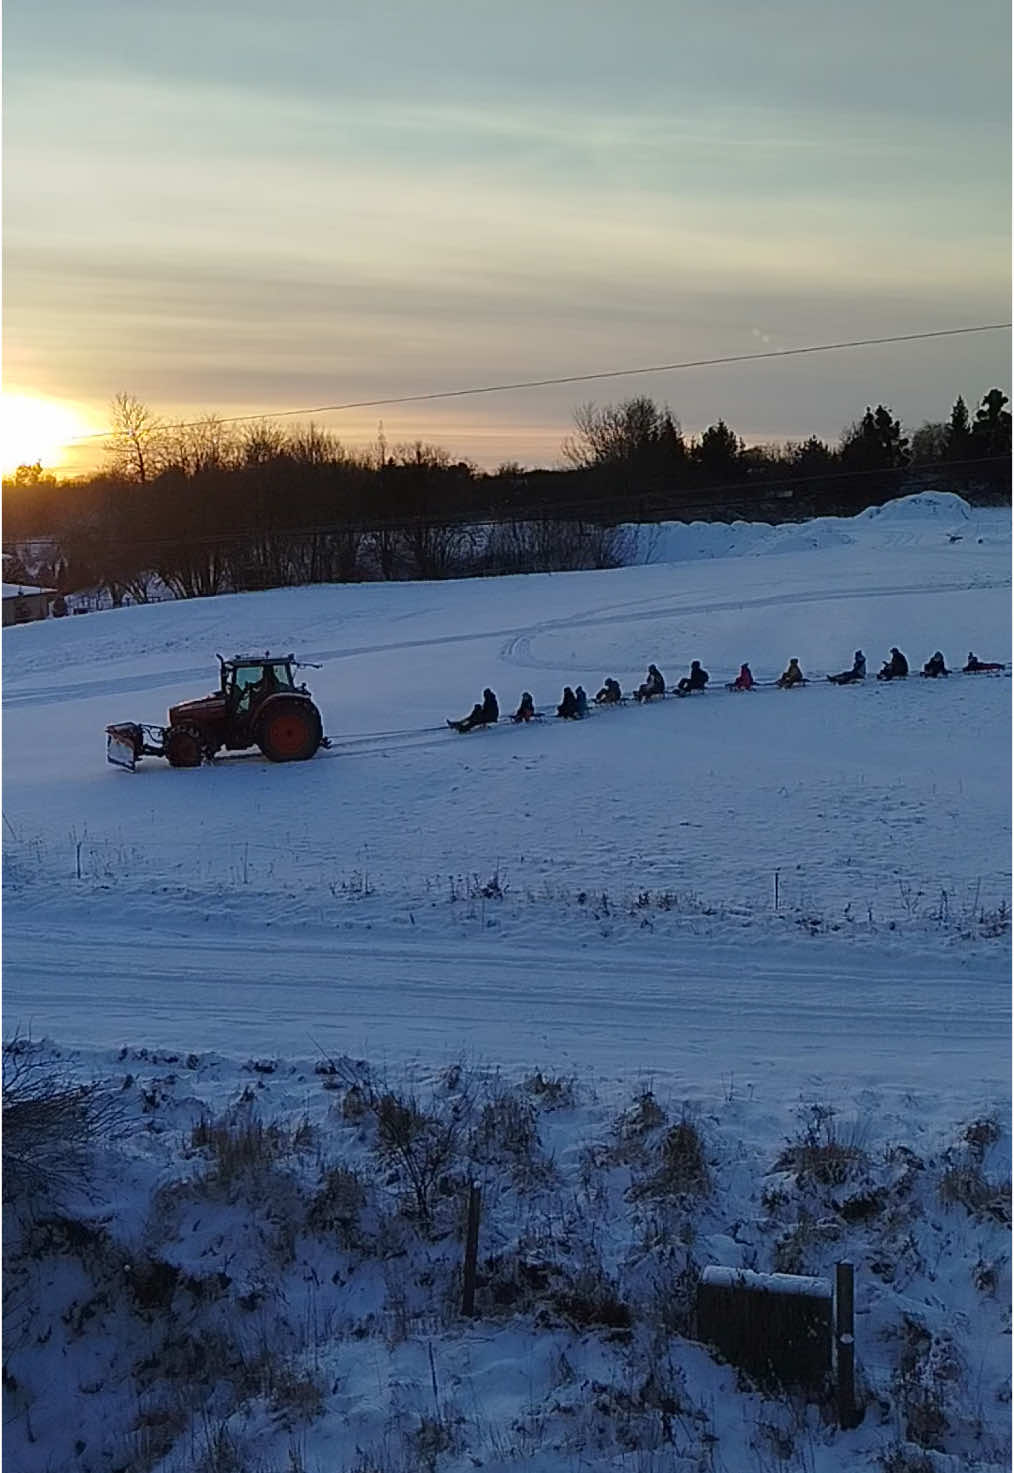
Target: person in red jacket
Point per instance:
(744, 680)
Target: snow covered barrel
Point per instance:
(776, 1326)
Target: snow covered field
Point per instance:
(595, 901)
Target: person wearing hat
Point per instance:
(790, 676)
(896, 668)
(848, 677)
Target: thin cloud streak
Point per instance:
(360, 212)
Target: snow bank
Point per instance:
(924, 506)
(933, 515)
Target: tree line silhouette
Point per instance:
(210, 507)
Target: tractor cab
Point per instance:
(247, 679)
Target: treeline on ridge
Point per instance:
(210, 507)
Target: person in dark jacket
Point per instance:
(696, 680)
(526, 708)
(581, 698)
(935, 666)
(790, 676)
(849, 677)
(610, 694)
(744, 680)
(652, 685)
(469, 722)
(568, 706)
(486, 714)
(896, 668)
(975, 664)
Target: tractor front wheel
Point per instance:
(290, 731)
(184, 746)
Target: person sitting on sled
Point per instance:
(567, 709)
(975, 664)
(790, 676)
(526, 708)
(848, 677)
(744, 680)
(581, 700)
(610, 694)
(488, 714)
(696, 680)
(935, 667)
(896, 668)
(653, 685)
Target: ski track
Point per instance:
(516, 649)
(943, 1024)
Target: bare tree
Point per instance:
(620, 434)
(138, 439)
(262, 442)
(205, 444)
(930, 443)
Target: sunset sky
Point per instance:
(246, 207)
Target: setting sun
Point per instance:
(34, 429)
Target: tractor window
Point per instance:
(244, 676)
(282, 674)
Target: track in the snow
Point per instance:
(516, 649)
(926, 1022)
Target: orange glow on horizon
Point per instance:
(36, 429)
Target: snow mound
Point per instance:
(682, 542)
(924, 506)
(815, 536)
(930, 512)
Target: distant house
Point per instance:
(23, 603)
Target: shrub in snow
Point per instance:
(636, 1123)
(682, 1169)
(51, 1126)
(337, 1204)
(926, 1378)
(240, 1145)
(965, 1181)
(507, 1134)
(553, 1092)
(821, 1153)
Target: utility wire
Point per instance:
(581, 378)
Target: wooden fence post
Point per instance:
(845, 1345)
(471, 1251)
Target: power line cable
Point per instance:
(670, 505)
(581, 378)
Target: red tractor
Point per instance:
(257, 704)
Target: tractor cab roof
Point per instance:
(262, 659)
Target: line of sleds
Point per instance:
(574, 705)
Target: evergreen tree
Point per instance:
(875, 443)
(991, 433)
(811, 458)
(718, 452)
(958, 431)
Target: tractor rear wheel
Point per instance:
(184, 746)
(290, 731)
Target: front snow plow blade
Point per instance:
(123, 745)
(128, 742)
